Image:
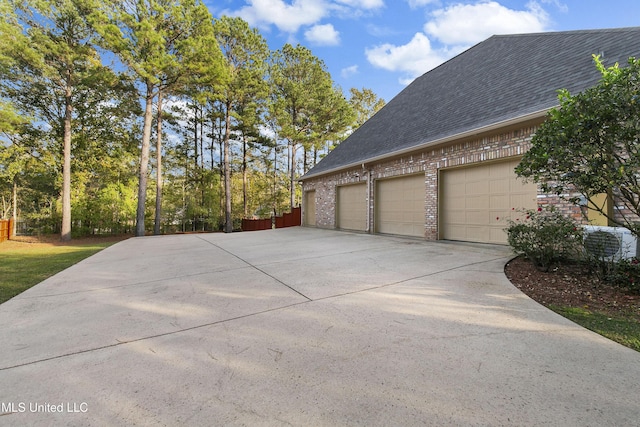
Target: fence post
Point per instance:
(4, 230)
(297, 216)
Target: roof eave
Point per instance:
(505, 123)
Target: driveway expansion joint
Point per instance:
(149, 337)
(256, 268)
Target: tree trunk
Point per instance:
(213, 140)
(65, 234)
(244, 175)
(228, 222)
(275, 176)
(158, 217)
(195, 134)
(221, 169)
(144, 161)
(201, 141)
(203, 190)
(15, 206)
(304, 159)
(293, 174)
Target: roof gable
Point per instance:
(500, 79)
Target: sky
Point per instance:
(383, 45)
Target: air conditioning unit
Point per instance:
(610, 243)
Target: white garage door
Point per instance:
(400, 206)
(352, 207)
(476, 201)
(310, 208)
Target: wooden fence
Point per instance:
(256, 224)
(6, 229)
(286, 220)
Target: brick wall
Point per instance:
(562, 205)
(501, 145)
(325, 188)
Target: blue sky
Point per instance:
(384, 44)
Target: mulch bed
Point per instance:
(572, 285)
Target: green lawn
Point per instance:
(24, 265)
(623, 330)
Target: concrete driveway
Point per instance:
(302, 327)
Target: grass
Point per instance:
(23, 265)
(623, 330)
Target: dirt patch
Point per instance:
(572, 286)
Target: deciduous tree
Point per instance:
(365, 104)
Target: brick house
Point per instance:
(437, 161)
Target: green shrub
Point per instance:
(627, 274)
(624, 273)
(545, 236)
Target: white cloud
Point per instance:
(562, 7)
(413, 59)
(267, 131)
(324, 35)
(290, 15)
(349, 71)
(467, 24)
(455, 28)
(362, 4)
(354, 9)
(414, 4)
(287, 17)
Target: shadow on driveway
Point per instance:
(302, 326)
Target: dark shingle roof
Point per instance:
(500, 79)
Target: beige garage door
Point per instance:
(400, 206)
(352, 207)
(310, 208)
(475, 202)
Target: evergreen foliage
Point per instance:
(86, 85)
(590, 145)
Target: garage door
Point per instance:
(475, 202)
(352, 207)
(310, 208)
(400, 206)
